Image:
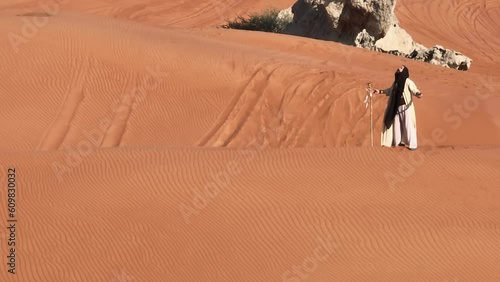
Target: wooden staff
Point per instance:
(369, 89)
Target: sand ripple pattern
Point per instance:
(265, 220)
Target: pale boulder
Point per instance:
(370, 24)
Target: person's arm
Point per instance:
(414, 90)
(386, 92)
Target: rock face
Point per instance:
(369, 24)
(438, 55)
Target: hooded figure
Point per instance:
(400, 125)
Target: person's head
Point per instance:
(402, 73)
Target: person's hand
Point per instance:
(419, 95)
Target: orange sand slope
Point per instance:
(104, 102)
(113, 83)
(179, 13)
(259, 215)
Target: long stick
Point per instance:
(371, 115)
(371, 112)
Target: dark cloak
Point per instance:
(398, 86)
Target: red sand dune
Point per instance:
(151, 146)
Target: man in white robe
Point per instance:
(400, 123)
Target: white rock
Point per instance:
(370, 24)
(396, 39)
(285, 14)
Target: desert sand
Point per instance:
(150, 145)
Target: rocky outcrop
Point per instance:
(438, 55)
(369, 24)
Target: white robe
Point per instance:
(410, 90)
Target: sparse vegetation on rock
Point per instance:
(268, 21)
